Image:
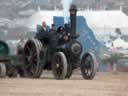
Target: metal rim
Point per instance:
(59, 65)
(70, 69)
(88, 66)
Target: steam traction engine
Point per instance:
(8, 61)
(62, 59)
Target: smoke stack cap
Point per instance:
(73, 9)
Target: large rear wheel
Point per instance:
(88, 66)
(33, 66)
(59, 65)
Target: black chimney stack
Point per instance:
(73, 13)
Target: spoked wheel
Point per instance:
(88, 66)
(32, 66)
(12, 72)
(2, 70)
(59, 65)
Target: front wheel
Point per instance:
(2, 70)
(88, 66)
(59, 65)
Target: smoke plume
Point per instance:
(66, 5)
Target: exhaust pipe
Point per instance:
(73, 13)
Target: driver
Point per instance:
(62, 35)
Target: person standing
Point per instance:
(114, 58)
(44, 27)
(53, 29)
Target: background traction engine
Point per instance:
(8, 61)
(62, 59)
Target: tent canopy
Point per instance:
(120, 43)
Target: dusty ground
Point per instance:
(104, 84)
